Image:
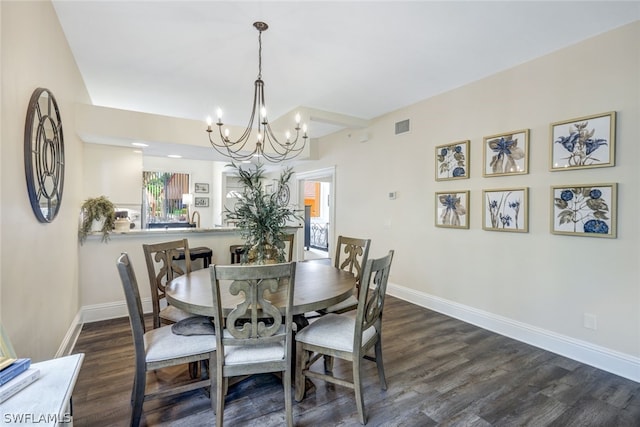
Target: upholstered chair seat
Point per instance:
(162, 344)
(334, 331)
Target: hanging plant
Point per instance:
(97, 210)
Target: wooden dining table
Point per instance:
(317, 286)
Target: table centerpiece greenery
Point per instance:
(262, 216)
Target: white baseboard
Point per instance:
(112, 310)
(617, 363)
(95, 313)
(69, 340)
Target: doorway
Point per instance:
(316, 194)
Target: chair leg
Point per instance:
(288, 407)
(204, 370)
(380, 364)
(213, 381)
(328, 363)
(137, 396)
(220, 396)
(357, 387)
(194, 370)
(301, 361)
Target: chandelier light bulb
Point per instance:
(298, 119)
(209, 123)
(219, 114)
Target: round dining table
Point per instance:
(317, 286)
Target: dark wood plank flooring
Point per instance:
(440, 372)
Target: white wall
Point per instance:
(39, 263)
(546, 282)
(115, 172)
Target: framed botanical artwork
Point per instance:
(200, 187)
(452, 161)
(585, 142)
(506, 153)
(201, 202)
(506, 209)
(452, 209)
(584, 210)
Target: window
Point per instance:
(162, 198)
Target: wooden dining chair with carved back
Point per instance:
(160, 348)
(256, 337)
(347, 337)
(162, 267)
(351, 255)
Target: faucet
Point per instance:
(193, 216)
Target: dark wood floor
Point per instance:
(440, 372)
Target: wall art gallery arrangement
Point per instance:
(576, 209)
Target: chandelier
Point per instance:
(276, 151)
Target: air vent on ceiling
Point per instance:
(403, 126)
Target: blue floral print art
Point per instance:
(504, 209)
(581, 145)
(452, 162)
(583, 209)
(452, 210)
(508, 154)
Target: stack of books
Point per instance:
(15, 374)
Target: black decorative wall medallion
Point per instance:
(44, 155)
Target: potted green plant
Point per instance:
(98, 214)
(262, 216)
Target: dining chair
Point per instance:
(351, 255)
(347, 337)
(159, 348)
(162, 267)
(236, 251)
(256, 338)
(289, 248)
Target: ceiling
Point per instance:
(356, 59)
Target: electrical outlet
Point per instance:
(590, 321)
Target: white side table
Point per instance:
(46, 402)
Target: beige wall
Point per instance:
(39, 264)
(112, 171)
(543, 282)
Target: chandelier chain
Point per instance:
(259, 55)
